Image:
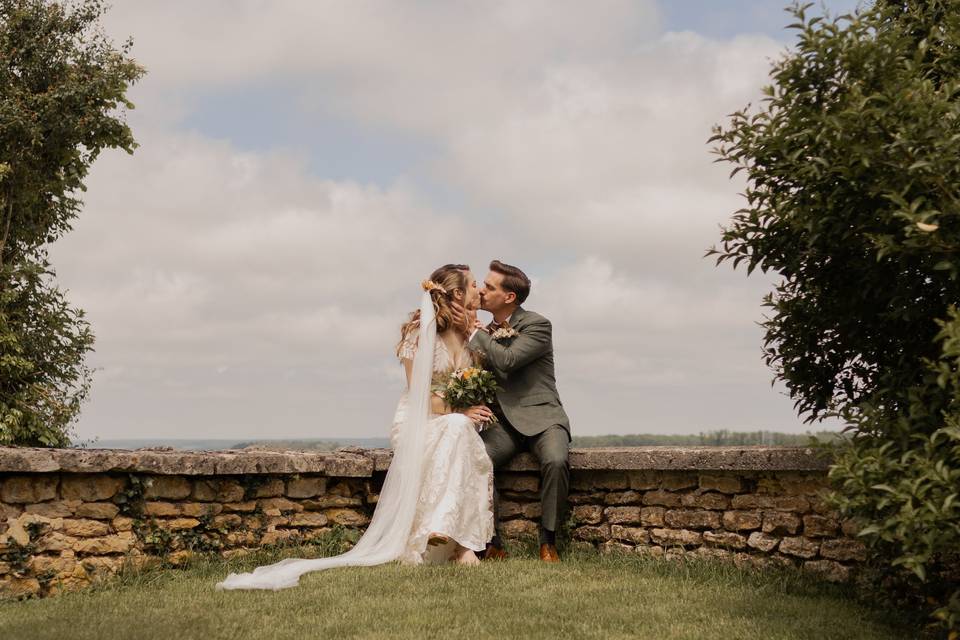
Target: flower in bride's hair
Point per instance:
(430, 285)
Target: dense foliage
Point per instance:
(853, 198)
(62, 95)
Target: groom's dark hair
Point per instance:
(514, 280)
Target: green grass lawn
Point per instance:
(586, 596)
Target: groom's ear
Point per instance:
(510, 298)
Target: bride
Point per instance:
(435, 504)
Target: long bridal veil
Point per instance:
(392, 520)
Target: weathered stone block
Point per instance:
(623, 497)
(716, 501)
(725, 539)
(592, 533)
(8, 511)
(211, 490)
(803, 484)
(797, 504)
(271, 488)
(13, 587)
(328, 502)
(279, 536)
(819, 526)
(119, 543)
(347, 517)
(308, 519)
(178, 524)
(85, 528)
(799, 547)
(519, 528)
(525, 509)
(677, 480)
(692, 519)
(780, 523)
(587, 514)
(643, 480)
(850, 527)
(844, 549)
(610, 480)
(636, 535)
(28, 489)
(742, 520)
(90, 487)
(586, 498)
(55, 541)
(721, 482)
(277, 506)
(306, 487)
(122, 523)
(762, 542)
(167, 487)
(518, 482)
(227, 521)
(622, 515)
(828, 570)
(661, 497)
(652, 516)
(54, 509)
(56, 564)
(612, 546)
(241, 507)
(676, 537)
(714, 553)
(200, 509)
(161, 509)
(98, 510)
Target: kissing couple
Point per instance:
(439, 502)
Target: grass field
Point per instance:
(586, 596)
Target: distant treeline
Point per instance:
(719, 438)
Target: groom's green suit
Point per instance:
(530, 414)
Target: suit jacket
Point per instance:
(523, 365)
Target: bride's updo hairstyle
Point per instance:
(442, 284)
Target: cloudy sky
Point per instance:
(304, 164)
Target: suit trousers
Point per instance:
(551, 447)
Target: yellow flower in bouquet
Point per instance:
(468, 387)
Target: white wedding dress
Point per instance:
(440, 480)
(457, 490)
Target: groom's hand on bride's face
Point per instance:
(463, 317)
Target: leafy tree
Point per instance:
(62, 97)
(853, 169)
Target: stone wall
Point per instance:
(69, 517)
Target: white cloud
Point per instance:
(234, 292)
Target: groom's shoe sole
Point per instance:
(548, 553)
(494, 553)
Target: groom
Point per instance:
(518, 346)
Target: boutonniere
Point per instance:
(503, 333)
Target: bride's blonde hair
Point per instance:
(449, 278)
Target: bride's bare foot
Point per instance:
(462, 555)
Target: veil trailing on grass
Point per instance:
(386, 536)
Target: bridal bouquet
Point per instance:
(469, 387)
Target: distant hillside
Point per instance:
(719, 438)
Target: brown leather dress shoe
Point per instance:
(548, 553)
(493, 553)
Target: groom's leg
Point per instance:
(552, 450)
(502, 443)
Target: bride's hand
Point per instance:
(479, 414)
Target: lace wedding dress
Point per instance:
(440, 480)
(457, 490)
